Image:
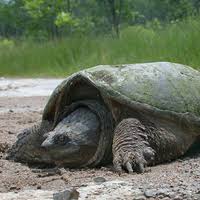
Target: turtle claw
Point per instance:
(130, 162)
(131, 148)
(129, 168)
(141, 168)
(117, 166)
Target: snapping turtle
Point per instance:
(134, 115)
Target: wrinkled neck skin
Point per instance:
(75, 138)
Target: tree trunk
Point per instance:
(115, 15)
(68, 6)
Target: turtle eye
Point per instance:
(61, 139)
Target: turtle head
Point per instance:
(74, 140)
(60, 142)
(66, 150)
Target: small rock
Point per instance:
(196, 196)
(13, 187)
(123, 184)
(163, 191)
(39, 187)
(66, 195)
(150, 193)
(11, 110)
(11, 133)
(65, 177)
(177, 198)
(99, 180)
(165, 198)
(62, 171)
(34, 184)
(46, 174)
(140, 197)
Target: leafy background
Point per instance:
(59, 37)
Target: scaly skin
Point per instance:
(28, 146)
(135, 146)
(131, 148)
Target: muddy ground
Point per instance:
(177, 180)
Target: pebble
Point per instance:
(65, 178)
(99, 180)
(140, 198)
(39, 187)
(177, 198)
(150, 193)
(11, 133)
(13, 187)
(196, 196)
(71, 194)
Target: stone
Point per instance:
(66, 195)
(99, 180)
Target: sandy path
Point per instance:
(176, 180)
(27, 87)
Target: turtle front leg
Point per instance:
(27, 148)
(131, 149)
(136, 146)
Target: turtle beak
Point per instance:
(47, 143)
(48, 140)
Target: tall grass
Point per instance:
(178, 42)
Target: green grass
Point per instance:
(176, 43)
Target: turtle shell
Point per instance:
(161, 85)
(159, 89)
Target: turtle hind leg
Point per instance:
(131, 149)
(27, 147)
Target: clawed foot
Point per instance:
(133, 161)
(131, 148)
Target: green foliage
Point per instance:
(35, 8)
(6, 43)
(56, 37)
(63, 18)
(60, 18)
(178, 42)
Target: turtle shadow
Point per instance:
(194, 150)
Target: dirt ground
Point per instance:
(176, 180)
